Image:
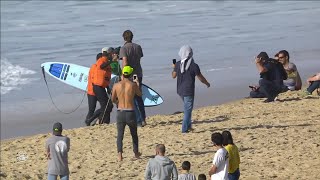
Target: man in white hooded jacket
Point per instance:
(186, 70)
(161, 167)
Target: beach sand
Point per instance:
(279, 140)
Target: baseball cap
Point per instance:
(107, 49)
(57, 127)
(127, 70)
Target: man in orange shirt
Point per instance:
(92, 99)
(100, 81)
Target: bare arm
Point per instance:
(212, 170)
(114, 94)
(124, 62)
(174, 73)
(174, 173)
(137, 89)
(203, 79)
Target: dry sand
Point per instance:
(279, 140)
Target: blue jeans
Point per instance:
(139, 106)
(313, 86)
(235, 175)
(54, 177)
(187, 112)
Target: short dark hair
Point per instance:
(284, 52)
(161, 148)
(186, 165)
(127, 35)
(263, 55)
(227, 138)
(202, 177)
(99, 55)
(216, 138)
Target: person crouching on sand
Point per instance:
(123, 94)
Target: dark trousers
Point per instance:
(313, 86)
(270, 89)
(105, 103)
(92, 102)
(140, 105)
(127, 118)
(92, 114)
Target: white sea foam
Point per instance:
(13, 75)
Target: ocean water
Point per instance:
(225, 36)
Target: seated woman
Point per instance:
(294, 80)
(314, 83)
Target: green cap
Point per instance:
(127, 70)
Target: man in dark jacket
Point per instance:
(272, 75)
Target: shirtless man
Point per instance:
(123, 94)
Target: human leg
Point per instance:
(187, 106)
(64, 177)
(267, 88)
(313, 86)
(52, 177)
(131, 122)
(103, 99)
(141, 103)
(92, 102)
(121, 124)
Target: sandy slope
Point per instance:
(278, 140)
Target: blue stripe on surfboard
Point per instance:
(65, 76)
(63, 71)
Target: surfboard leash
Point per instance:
(45, 80)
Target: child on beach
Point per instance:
(202, 177)
(185, 175)
(220, 163)
(234, 158)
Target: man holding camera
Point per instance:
(272, 75)
(186, 70)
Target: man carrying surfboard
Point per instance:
(131, 54)
(186, 70)
(123, 94)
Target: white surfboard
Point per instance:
(77, 76)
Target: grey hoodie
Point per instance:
(161, 168)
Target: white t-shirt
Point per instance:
(221, 161)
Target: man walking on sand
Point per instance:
(123, 94)
(161, 167)
(186, 70)
(131, 54)
(57, 148)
